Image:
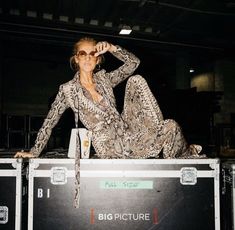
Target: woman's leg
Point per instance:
(139, 102)
(150, 133)
(171, 136)
(174, 143)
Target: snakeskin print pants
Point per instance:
(149, 132)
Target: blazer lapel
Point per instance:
(79, 99)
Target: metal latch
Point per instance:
(188, 176)
(3, 214)
(58, 175)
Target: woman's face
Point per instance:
(85, 56)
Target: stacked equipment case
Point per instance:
(177, 194)
(10, 194)
(228, 195)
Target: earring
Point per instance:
(98, 67)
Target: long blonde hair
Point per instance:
(74, 66)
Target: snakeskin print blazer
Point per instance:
(93, 116)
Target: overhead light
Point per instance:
(14, 12)
(148, 29)
(125, 30)
(94, 22)
(79, 20)
(64, 18)
(108, 24)
(47, 16)
(32, 14)
(191, 70)
(136, 27)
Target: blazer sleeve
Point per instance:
(131, 62)
(53, 116)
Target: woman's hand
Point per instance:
(24, 155)
(103, 47)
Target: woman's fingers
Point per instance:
(102, 47)
(18, 154)
(23, 155)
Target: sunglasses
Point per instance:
(83, 54)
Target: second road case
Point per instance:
(228, 195)
(10, 193)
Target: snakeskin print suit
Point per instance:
(139, 132)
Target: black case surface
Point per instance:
(129, 194)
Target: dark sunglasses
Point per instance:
(84, 54)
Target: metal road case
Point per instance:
(10, 193)
(228, 195)
(179, 194)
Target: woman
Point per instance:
(139, 132)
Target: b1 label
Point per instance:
(43, 193)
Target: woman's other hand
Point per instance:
(24, 155)
(103, 47)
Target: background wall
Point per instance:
(31, 72)
(31, 76)
(225, 81)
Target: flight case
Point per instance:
(228, 195)
(10, 193)
(177, 194)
